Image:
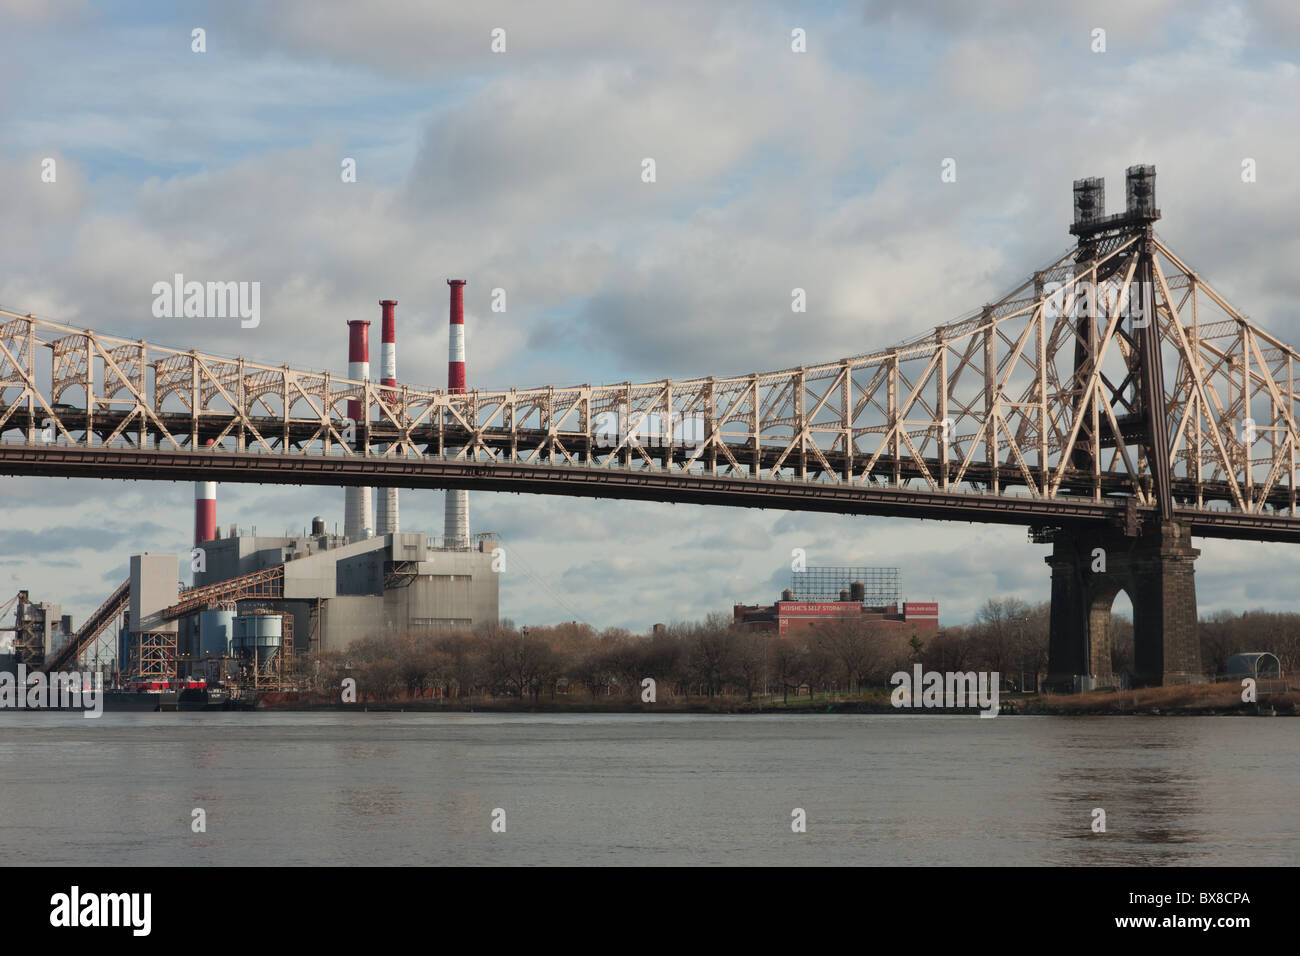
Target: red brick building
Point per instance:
(792, 617)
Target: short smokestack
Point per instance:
(356, 501)
(386, 520)
(456, 518)
(205, 509)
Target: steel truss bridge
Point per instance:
(1032, 410)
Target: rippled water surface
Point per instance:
(633, 789)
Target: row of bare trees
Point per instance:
(714, 657)
(1224, 634)
(1008, 634)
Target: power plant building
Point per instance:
(338, 590)
(374, 579)
(269, 599)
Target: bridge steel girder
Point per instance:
(1024, 397)
(675, 487)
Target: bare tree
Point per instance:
(710, 653)
(622, 658)
(852, 642)
(999, 629)
(948, 650)
(464, 661)
(748, 660)
(789, 663)
(818, 663)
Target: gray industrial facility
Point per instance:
(339, 590)
(40, 630)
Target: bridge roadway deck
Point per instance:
(646, 484)
(1281, 501)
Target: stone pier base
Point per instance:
(1089, 568)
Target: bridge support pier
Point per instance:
(1089, 568)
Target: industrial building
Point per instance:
(325, 591)
(822, 597)
(39, 630)
(337, 590)
(259, 602)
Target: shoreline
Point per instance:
(1197, 700)
(1203, 700)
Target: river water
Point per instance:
(389, 788)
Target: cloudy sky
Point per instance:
(522, 170)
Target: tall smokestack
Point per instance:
(456, 518)
(356, 501)
(205, 509)
(386, 521)
(456, 341)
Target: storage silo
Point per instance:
(258, 633)
(216, 630)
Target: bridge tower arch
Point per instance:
(1156, 569)
(1100, 644)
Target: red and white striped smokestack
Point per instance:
(455, 526)
(388, 355)
(386, 521)
(205, 509)
(358, 358)
(456, 342)
(356, 501)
